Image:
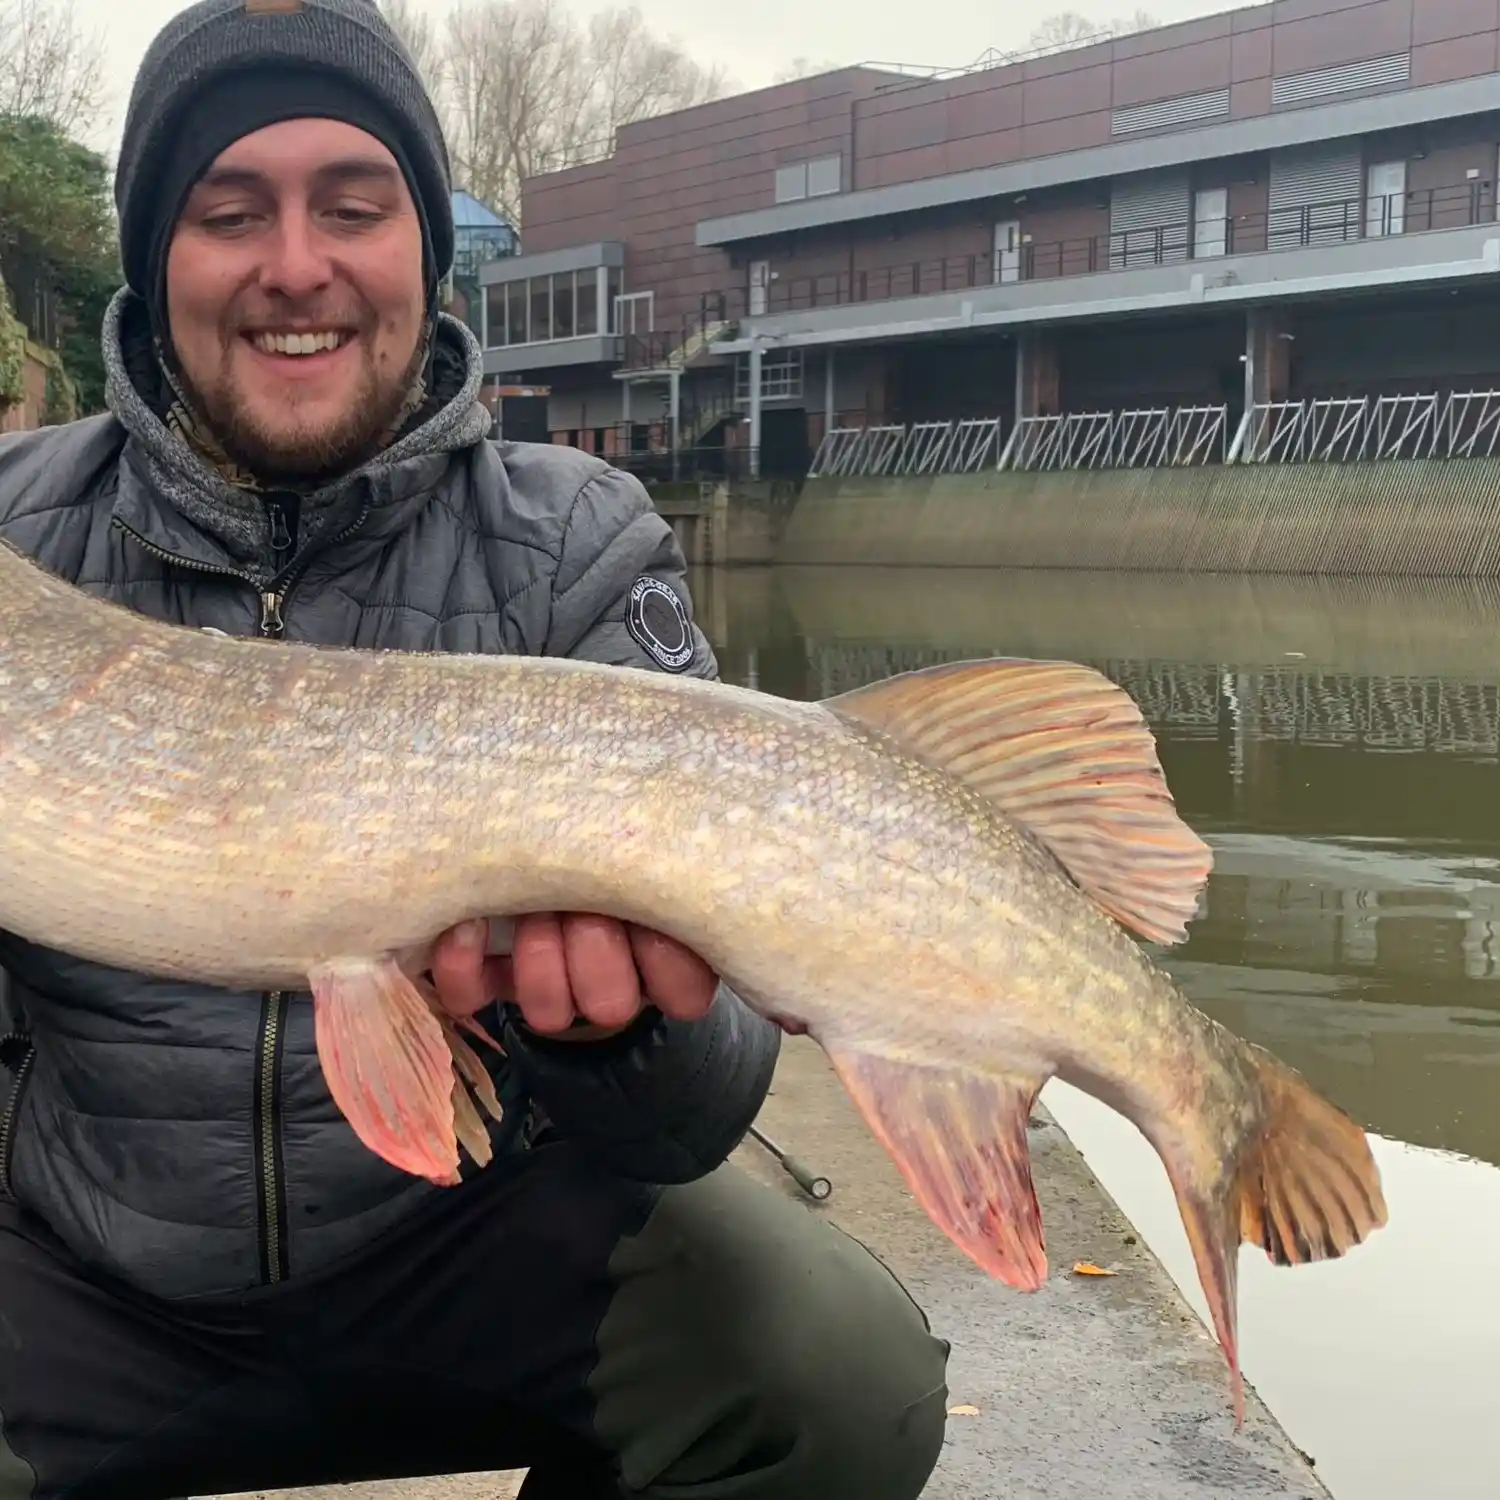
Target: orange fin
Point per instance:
(959, 1139)
(1306, 1189)
(468, 1070)
(1065, 752)
(1309, 1188)
(1212, 1234)
(393, 1064)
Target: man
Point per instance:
(206, 1283)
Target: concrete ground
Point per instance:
(1094, 1388)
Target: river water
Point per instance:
(1338, 744)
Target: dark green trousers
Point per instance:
(708, 1342)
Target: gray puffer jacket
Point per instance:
(183, 1138)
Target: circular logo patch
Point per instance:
(658, 624)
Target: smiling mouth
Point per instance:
(300, 345)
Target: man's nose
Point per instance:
(296, 264)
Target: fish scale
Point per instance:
(942, 878)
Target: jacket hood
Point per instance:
(450, 418)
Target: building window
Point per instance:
(586, 303)
(1210, 223)
(614, 288)
(562, 305)
(780, 375)
(539, 309)
(810, 179)
(515, 312)
(1385, 198)
(494, 316)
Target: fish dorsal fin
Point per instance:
(1063, 751)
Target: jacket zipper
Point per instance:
(273, 599)
(266, 1111)
(12, 1109)
(267, 1115)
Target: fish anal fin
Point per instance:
(388, 1063)
(1066, 753)
(1306, 1189)
(958, 1138)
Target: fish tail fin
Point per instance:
(1306, 1189)
(959, 1138)
(399, 1069)
(1309, 1188)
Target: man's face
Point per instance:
(295, 297)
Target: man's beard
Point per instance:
(296, 454)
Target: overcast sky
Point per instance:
(752, 39)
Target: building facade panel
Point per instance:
(1194, 68)
(1458, 57)
(1446, 20)
(905, 234)
(1328, 37)
(1250, 56)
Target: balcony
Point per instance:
(1442, 233)
(553, 309)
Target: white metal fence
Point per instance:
(922, 448)
(1353, 429)
(1359, 429)
(1154, 438)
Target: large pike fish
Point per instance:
(933, 876)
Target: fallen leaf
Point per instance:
(963, 1411)
(1088, 1268)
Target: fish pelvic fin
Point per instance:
(958, 1138)
(1066, 753)
(1307, 1189)
(399, 1069)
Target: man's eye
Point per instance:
(227, 222)
(356, 215)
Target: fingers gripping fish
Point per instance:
(937, 877)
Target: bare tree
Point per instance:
(1067, 28)
(49, 68)
(638, 76)
(527, 89)
(804, 67)
(415, 28)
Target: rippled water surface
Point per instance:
(1339, 746)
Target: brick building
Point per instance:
(1287, 201)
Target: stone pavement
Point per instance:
(1090, 1389)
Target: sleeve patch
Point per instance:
(659, 624)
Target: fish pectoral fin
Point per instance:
(959, 1138)
(1066, 753)
(395, 1065)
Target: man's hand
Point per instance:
(569, 967)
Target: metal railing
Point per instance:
(1362, 429)
(1154, 438)
(677, 344)
(962, 447)
(1335, 221)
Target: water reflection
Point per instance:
(1338, 743)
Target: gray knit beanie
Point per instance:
(227, 52)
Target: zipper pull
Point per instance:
(281, 536)
(271, 622)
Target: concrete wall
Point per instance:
(1420, 518)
